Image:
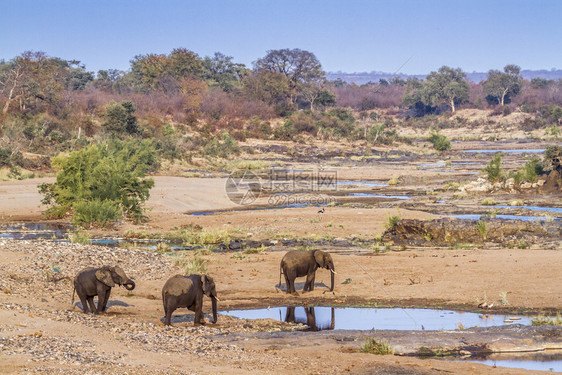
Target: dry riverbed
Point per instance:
(41, 332)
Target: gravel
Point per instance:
(45, 275)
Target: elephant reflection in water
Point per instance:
(310, 318)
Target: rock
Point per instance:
(236, 245)
(448, 231)
(481, 185)
(553, 183)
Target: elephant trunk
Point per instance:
(214, 304)
(332, 274)
(129, 285)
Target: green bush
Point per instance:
(391, 221)
(440, 142)
(493, 169)
(80, 237)
(9, 158)
(191, 265)
(120, 118)
(529, 172)
(96, 212)
(552, 156)
(222, 148)
(373, 346)
(111, 172)
(542, 320)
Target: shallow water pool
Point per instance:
(355, 318)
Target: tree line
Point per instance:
(48, 101)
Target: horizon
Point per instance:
(359, 36)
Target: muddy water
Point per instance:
(541, 361)
(59, 232)
(505, 217)
(519, 151)
(532, 208)
(371, 195)
(36, 231)
(320, 318)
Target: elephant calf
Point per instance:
(305, 263)
(188, 291)
(91, 282)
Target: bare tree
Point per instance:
(10, 81)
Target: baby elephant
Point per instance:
(91, 282)
(304, 263)
(187, 291)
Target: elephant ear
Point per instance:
(320, 258)
(104, 276)
(206, 282)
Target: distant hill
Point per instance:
(362, 78)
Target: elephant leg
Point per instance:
(168, 310)
(290, 282)
(311, 286)
(199, 311)
(309, 282)
(101, 298)
(287, 284)
(84, 302)
(105, 300)
(92, 305)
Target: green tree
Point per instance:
(220, 71)
(270, 87)
(300, 67)
(500, 87)
(120, 118)
(161, 72)
(439, 141)
(78, 78)
(103, 175)
(446, 86)
(413, 97)
(494, 169)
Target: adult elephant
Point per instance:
(188, 291)
(91, 282)
(305, 263)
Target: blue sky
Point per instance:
(415, 36)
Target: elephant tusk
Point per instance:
(334, 272)
(217, 298)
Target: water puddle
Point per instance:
(279, 207)
(504, 217)
(59, 232)
(532, 208)
(36, 231)
(350, 183)
(355, 318)
(538, 150)
(371, 195)
(539, 361)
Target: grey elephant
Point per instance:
(91, 282)
(305, 263)
(188, 291)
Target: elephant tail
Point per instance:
(278, 287)
(73, 293)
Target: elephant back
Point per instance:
(177, 285)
